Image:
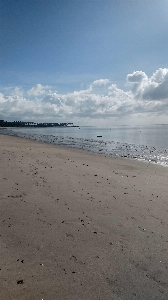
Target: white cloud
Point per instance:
(153, 88)
(99, 82)
(17, 91)
(136, 77)
(99, 86)
(159, 75)
(38, 90)
(101, 100)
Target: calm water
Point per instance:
(148, 143)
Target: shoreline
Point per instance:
(142, 153)
(81, 225)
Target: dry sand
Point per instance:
(80, 226)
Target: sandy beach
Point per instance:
(80, 226)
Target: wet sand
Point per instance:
(80, 226)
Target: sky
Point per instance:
(92, 62)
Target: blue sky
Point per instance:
(73, 60)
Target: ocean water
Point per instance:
(147, 143)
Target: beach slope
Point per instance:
(80, 226)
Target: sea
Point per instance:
(144, 143)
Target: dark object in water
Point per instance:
(99, 135)
(20, 282)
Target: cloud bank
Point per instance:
(102, 99)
